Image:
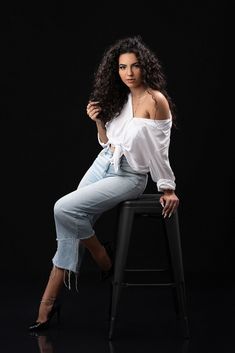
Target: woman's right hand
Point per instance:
(93, 110)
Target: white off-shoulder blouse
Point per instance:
(145, 144)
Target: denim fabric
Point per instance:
(100, 189)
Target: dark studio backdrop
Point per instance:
(47, 141)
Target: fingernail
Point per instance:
(170, 215)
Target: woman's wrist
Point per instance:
(100, 124)
(168, 191)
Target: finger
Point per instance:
(95, 106)
(161, 202)
(176, 205)
(173, 208)
(90, 107)
(94, 116)
(91, 112)
(91, 104)
(166, 205)
(94, 110)
(171, 212)
(167, 208)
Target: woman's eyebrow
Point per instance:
(131, 64)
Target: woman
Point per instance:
(133, 114)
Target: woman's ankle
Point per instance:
(48, 300)
(44, 310)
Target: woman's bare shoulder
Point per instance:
(158, 105)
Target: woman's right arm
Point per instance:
(101, 131)
(93, 110)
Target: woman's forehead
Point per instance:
(127, 58)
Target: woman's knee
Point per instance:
(59, 207)
(66, 207)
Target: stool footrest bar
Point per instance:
(145, 269)
(148, 284)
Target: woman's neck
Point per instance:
(138, 92)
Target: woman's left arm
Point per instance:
(160, 166)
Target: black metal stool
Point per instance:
(147, 205)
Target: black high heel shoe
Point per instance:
(55, 310)
(108, 274)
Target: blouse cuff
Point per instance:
(165, 184)
(102, 143)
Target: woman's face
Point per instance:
(129, 70)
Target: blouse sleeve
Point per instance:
(159, 165)
(160, 170)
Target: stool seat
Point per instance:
(147, 205)
(143, 202)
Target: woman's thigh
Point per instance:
(103, 194)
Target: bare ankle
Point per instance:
(48, 301)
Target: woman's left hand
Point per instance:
(169, 202)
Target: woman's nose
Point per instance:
(129, 71)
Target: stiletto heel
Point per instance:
(55, 311)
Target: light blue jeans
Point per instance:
(100, 189)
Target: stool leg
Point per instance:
(122, 243)
(174, 242)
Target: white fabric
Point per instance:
(145, 144)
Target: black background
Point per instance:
(49, 54)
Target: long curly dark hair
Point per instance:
(111, 92)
